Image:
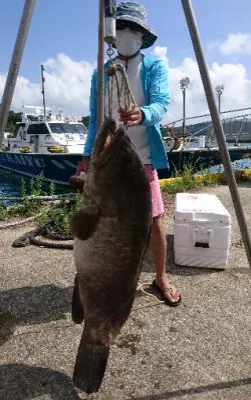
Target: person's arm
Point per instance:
(159, 94)
(83, 165)
(93, 117)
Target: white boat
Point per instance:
(52, 144)
(46, 134)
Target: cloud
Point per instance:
(237, 92)
(67, 86)
(239, 43)
(160, 52)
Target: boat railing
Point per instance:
(236, 127)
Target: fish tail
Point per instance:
(90, 365)
(77, 308)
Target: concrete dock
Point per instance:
(200, 350)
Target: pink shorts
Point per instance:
(157, 201)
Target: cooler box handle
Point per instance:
(202, 237)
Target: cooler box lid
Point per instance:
(200, 207)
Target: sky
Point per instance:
(63, 36)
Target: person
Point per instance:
(148, 79)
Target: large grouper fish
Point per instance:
(111, 235)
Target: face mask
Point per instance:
(128, 41)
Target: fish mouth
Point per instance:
(108, 135)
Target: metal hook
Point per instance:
(110, 50)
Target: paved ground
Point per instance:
(199, 351)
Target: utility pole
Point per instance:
(15, 64)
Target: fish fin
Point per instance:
(77, 308)
(90, 366)
(84, 222)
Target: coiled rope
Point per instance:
(46, 232)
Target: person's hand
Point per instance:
(83, 166)
(77, 180)
(131, 118)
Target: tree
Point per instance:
(85, 121)
(13, 118)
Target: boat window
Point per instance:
(38, 129)
(67, 128)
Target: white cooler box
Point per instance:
(202, 231)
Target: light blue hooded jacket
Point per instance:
(155, 83)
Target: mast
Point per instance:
(43, 80)
(15, 64)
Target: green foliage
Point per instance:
(60, 216)
(188, 181)
(29, 206)
(13, 118)
(3, 212)
(51, 189)
(85, 121)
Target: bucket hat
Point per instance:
(136, 13)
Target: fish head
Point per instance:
(114, 152)
(115, 166)
(108, 141)
(116, 185)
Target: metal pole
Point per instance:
(194, 33)
(42, 79)
(219, 100)
(100, 97)
(184, 112)
(15, 64)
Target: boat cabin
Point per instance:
(46, 134)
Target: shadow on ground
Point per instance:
(24, 382)
(244, 184)
(32, 305)
(197, 390)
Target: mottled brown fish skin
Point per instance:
(111, 232)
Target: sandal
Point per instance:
(163, 297)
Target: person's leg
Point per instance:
(158, 244)
(158, 249)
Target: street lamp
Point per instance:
(184, 82)
(219, 90)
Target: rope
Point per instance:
(141, 287)
(173, 135)
(122, 86)
(65, 196)
(44, 231)
(14, 224)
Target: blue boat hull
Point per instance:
(58, 167)
(200, 159)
